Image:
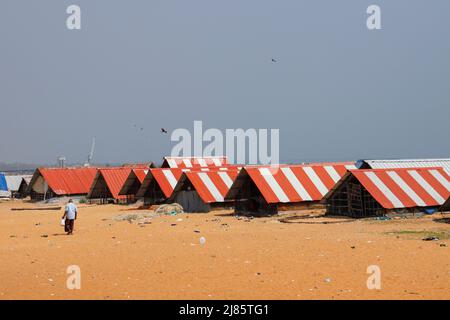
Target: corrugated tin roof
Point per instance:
(292, 183)
(135, 176)
(114, 178)
(27, 178)
(13, 182)
(211, 186)
(194, 162)
(406, 163)
(348, 164)
(140, 174)
(66, 181)
(406, 187)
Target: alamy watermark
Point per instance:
(373, 22)
(374, 280)
(73, 21)
(74, 279)
(250, 146)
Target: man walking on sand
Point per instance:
(70, 214)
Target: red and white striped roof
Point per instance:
(406, 187)
(194, 162)
(167, 178)
(295, 183)
(136, 175)
(211, 186)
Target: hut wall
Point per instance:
(100, 193)
(191, 201)
(255, 206)
(134, 188)
(217, 206)
(37, 196)
(40, 190)
(352, 199)
(249, 200)
(307, 205)
(154, 194)
(22, 192)
(446, 206)
(130, 198)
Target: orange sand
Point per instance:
(241, 259)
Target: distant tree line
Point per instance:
(18, 167)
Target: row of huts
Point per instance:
(364, 188)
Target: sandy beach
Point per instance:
(161, 257)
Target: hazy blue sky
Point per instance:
(337, 92)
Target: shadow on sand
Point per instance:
(442, 220)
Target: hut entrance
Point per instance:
(22, 192)
(352, 199)
(446, 206)
(132, 190)
(101, 192)
(249, 200)
(153, 194)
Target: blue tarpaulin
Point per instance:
(3, 185)
(431, 210)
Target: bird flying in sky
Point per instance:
(163, 130)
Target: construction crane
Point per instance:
(91, 155)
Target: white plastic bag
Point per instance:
(63, 222)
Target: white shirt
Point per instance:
(71, 210)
